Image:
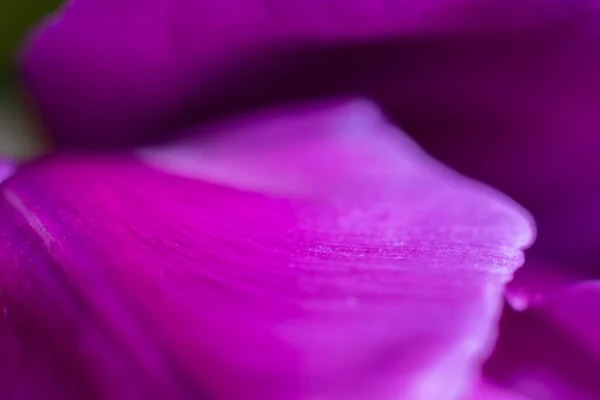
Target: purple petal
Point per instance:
(488, 391)
(552, 350)
(577, 309)
(520, 113)
(538, 280)
(377, 274)
(106, 71)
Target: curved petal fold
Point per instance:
(311, 253)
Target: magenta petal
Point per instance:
(538, 280)
(577, 309)
(552, 350)
(369, 272)
(503, 104)
(488, 391)
(107, 71)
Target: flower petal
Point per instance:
(7, 168)
(377, 273)
(552, 350)
(106, 71)
(503, 104)
(540, 279)
(488, 391)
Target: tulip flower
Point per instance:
(253, 222)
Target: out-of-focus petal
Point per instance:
(377, 273)
(107, 71)
(540, 279)
(577, 309)
(488, 391)
(552, 350)
(7, 167)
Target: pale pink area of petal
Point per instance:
(306, 254)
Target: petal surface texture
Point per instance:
(309, 253)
